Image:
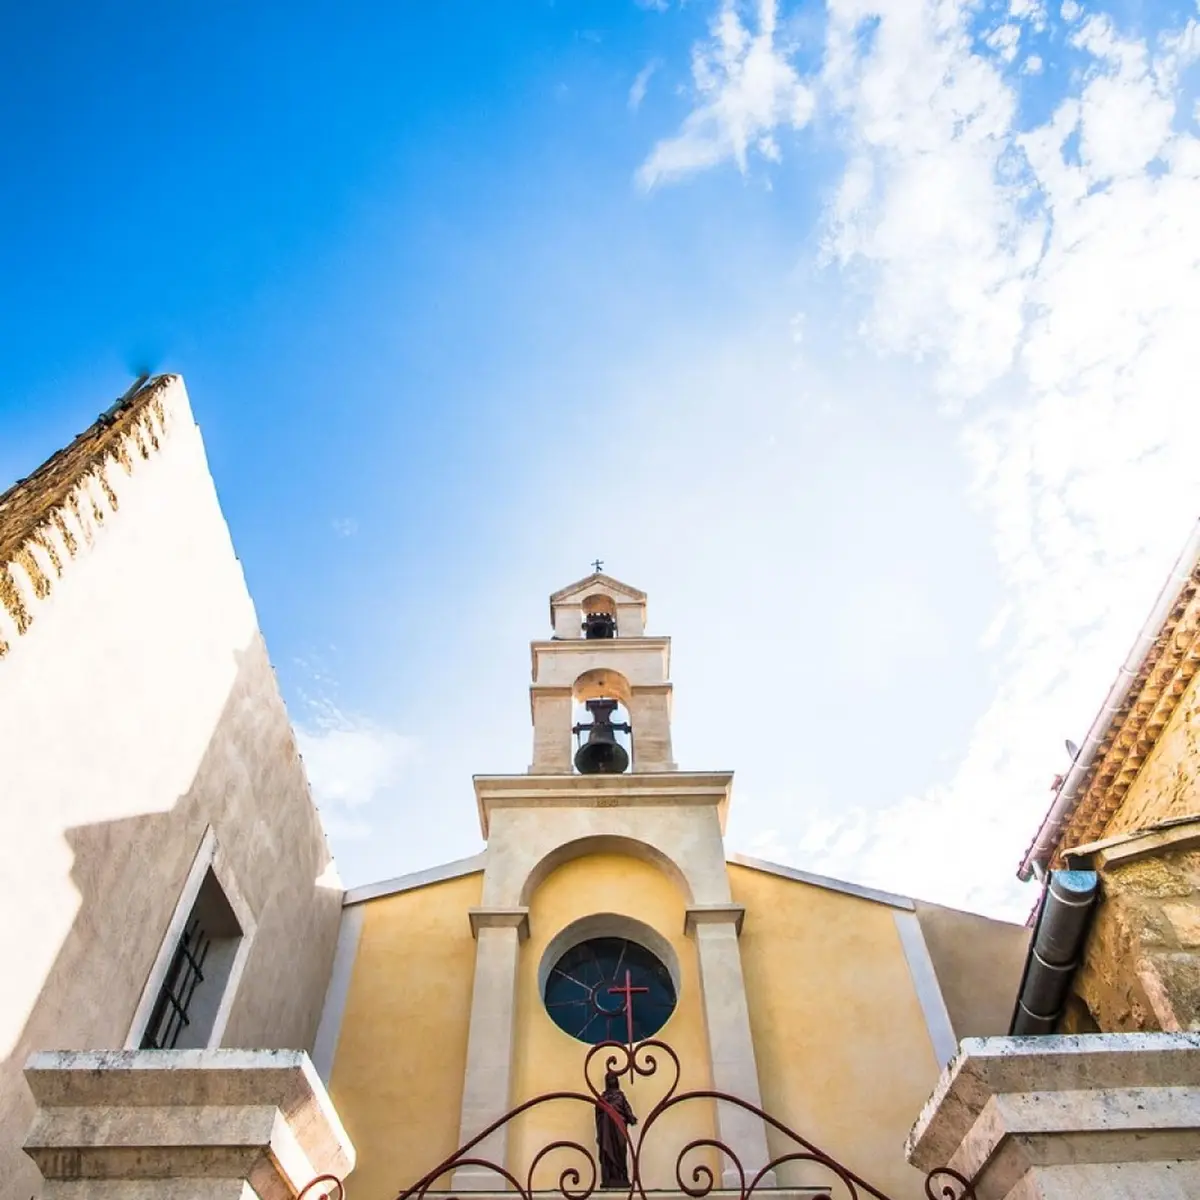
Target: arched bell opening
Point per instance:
(600, 722)
(599, 617)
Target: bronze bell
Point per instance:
(599, 625)
(601, 754)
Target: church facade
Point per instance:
(197, 1008)
(465, 991)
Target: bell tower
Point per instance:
(602, 781)
(601, 692)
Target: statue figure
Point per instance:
(610, 1134)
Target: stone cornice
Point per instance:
(713, 914)
(499, 918)
(640, 789)
(1180, 833)
(48, 517)
(1168, 667)
(649, 645)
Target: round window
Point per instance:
(594, 986)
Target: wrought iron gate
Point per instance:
(581, 1179)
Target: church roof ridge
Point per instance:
(442, 873)
(40, 515)
(878, 896)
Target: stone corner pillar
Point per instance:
(216, 1124)
(716, 928)
(498, 934)
(550, 708)
(650, 717)
(1050, 1118)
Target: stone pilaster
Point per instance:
(1106, 1116)
(552, 744)
(727, 1017)
(650, 718)
(498, 936)
(182, 1125)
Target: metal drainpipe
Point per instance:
(1043, 846)
(1054, 951)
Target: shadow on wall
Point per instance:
(251, 789)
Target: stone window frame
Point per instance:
(209, 857)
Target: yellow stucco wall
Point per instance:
(843, 1052)
(398, 1072)
(546, 1059)
(1168, 784)
(844, 1055)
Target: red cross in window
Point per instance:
(627, 990)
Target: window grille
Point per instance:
(184, 976)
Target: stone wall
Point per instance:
(1141, 964)
(141, 720)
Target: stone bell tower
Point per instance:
(599, 651)
(602, 779)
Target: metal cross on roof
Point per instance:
(597, 565)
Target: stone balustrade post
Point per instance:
(1108, 1116)
(182, 1125)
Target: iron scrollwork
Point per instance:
(579, 1180)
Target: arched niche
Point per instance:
(604, 844)
(598, 602)
(604, 683)
(601, 683)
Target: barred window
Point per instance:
(190, 996)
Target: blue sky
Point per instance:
(859, 336)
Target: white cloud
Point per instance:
(746, 90)
(1089, 290)
(344, 526)
(1055, 294)
(1032, 11)
(1005, 40)
(350, 762)
(637, 92)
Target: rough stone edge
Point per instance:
(83, 490)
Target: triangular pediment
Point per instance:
(585, 587)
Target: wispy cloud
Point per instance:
(637, 92)
(344, 526)
(746, 90)
(1049, 274)
(350, 761)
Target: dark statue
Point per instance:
(610, 1134)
